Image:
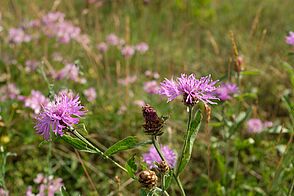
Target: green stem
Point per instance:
(185, 144)
(179, 184)
(81, 137)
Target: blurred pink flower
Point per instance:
(3, 192)
(112, 39)
(140, 103)
(102, 47)
(69, 71)
(9, 91)
(128, 51)
(151, 87)
(31, 65)
(18, 36)
(142, 47)
(255, 125)
(90, 94)
(128, 80)
(36, 101)
(290, 38)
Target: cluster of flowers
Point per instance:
(70, 71)
(255, 125)
(126, 50)
(52, 24)
(47, 186)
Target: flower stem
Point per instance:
(185, 143)
(157, 147)
(81, 137)
(179, 184)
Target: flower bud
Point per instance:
(153, 123)
(148, 179)
(163, 167)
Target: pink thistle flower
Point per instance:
(102, 47)
(18, 36)
(128, 51)
(112, 39)
(9, 91)
(152, 157)
(128, 80)
(151, 87)
(192, 89)
(290, 38)
(59, 114)
(142, 47)
(36, 101)
(90, 94)
(226, 91)
(255, 125)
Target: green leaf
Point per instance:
(77, 144)
(190, 138)
(132, 167)
(81, 128)
(124, 144)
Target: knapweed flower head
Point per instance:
(153, 123)
(192, 89)
(290, 38)
(102, 47)
(90, 94)
(142, 47)
(36, 101)
(63, 112)
(255, 125)
(112, 39)
(151, 87)
(152, 157)
(226, 91)
(18, 36)
(128, 51)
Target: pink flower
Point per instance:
(192, 89)
(151, 87)
(255, 125)
(153, 157)
(9, 91)
(140, 103)
(290, 38)
(59, 114)
(142, 47)
(128, 80)
(18, 36)
(102, 47)
(112, 39)
(36, 101)
(31, 65)
(90, 94)
(69, 71)
(128, 51)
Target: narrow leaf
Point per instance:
(77, 144)
(132, 167)
(190, 138)
(124, 144)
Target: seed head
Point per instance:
(163, 167)
(148, 179)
